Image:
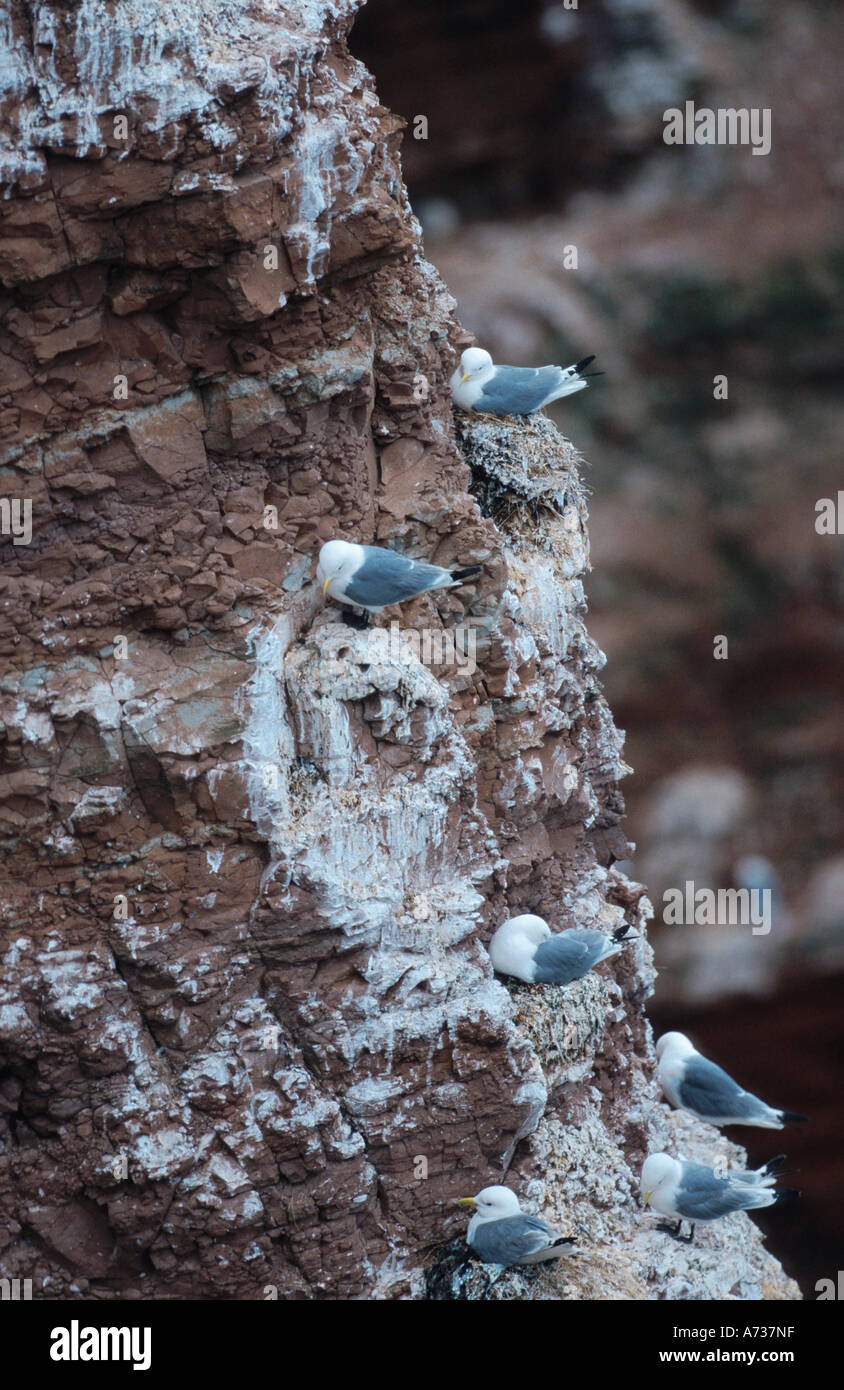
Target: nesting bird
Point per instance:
(371, 578)
(500, 1233)
(479, 385)
(526, 948)
(694, 1193)
(691, 1082)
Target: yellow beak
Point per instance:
(466, 1202)
(325, 587)
(646, 1198)
(465, 377)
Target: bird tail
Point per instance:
(764, 1177)
(572, 379)
(772, 1166)
(788, 1117)
(768, 1174)
(565, 1245)
(466, 573)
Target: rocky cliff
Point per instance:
(251, 1043)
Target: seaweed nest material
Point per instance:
(524, 472)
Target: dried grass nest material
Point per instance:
(522, 470)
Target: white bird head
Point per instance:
(493, 1203)
(474, 361)
(677, 1043)
(656, 1170)
(337, 560)
(536, 929)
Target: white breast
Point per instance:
(670, 1073)
(512, 954)
(468, 393)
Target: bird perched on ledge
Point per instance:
(481, 386)
(692, 1192)
(691, 1082)
(500, 1233)
(526, 947)
(371, 578)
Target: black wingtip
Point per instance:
(466, 573)
(788, 1194)
(584, 362)
(620, 933)
(788, 1117)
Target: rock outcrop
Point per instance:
(251, 1043)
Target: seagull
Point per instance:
(481, 386)
(691, 1082)
(526, 948)
(500, 1233)
(694, 1193)
(371, 578)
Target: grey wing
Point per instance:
(701, 1196)
(513, 1239)
(385, 577)
(568, 956)
(708, 1090)
(519, 390)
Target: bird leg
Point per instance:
(360, 622)
(687, 1240)
(674, 1231)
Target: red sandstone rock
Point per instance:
(249, 1032)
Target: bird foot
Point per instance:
(674, 1232)
(360, 622)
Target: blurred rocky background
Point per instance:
(535, 131)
